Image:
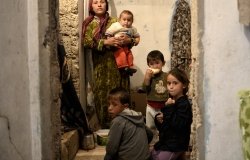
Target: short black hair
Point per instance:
(155, 55)
(122, 93)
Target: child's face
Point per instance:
(126, 20)
(174, 86)
(115, 107)
(156, 64)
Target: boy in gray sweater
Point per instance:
(127, 139)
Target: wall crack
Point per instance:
(6, 121)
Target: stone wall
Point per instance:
(69, 37)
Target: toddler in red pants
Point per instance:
(123, 55)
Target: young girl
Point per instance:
(174, 123)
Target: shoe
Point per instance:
(130, 71)
(141, 90)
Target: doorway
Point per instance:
(185, 49)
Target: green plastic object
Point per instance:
(244, 118)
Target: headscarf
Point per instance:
(100, 31)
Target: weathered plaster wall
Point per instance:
(29, 94)
(14, 82)
(195, 89)
(226, 45)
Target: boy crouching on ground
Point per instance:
(128, 139)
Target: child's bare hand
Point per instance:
(159, 117)
(170, 101)
(123, 36)
(112, 41)
(148, 76)
(124, 39)
(149, 73)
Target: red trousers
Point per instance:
(124, 57)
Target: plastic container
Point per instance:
(88, 142)
(102, 137)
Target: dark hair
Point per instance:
(181, 75)
(128, 13)
(155, 55)
(122, 93)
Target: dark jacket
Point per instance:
(127, 137)
(174, 132)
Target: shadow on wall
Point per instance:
(138, 101)
(112, 9)
(137, 78)
(247, 32)
(72, 113)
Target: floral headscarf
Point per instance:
(99, 32)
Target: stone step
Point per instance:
(69, 145)
(99, 152)
(95, 154)
(70, 149)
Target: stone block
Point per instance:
(95, 154)
(69, 145)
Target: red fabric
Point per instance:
(124, 57)
(156, 105)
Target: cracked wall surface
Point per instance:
(29, 95)
(7, 146)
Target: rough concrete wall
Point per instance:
(69, 37)
(29, 109)
(14, 82)
(226, 45)
(49, 80)
(195, 89)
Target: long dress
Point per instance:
(104, 75)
